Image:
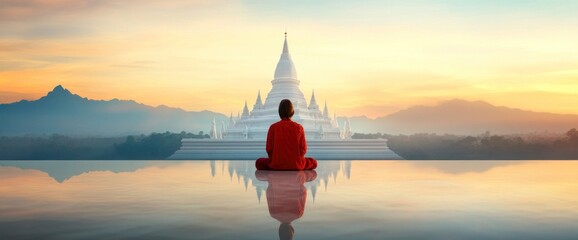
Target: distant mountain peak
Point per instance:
(60, 95)
(63, 112)
(59, 91)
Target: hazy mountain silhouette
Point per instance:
(465, 117)
(63, 112)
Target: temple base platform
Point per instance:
(219, 149)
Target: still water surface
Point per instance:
(340, 200)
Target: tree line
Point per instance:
(61, 147)
(484, 146)
(417, 146)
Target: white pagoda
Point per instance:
(244, 136)
(254, 124)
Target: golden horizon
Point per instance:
(216, 55)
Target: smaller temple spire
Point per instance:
(258, 102)
(313, 103)
(325, 111)
(213, 134)
(245, 110)
(347, 130)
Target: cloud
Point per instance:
(363, 58)
(545, 67)
(135, 64)
(20, 10)
(11, 65)
(26, 10)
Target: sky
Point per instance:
(363, 57)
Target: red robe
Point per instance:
(286, 147)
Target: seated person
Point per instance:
(286, 145)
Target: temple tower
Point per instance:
(285, 83)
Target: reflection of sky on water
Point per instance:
(347, 199)
(455, 167)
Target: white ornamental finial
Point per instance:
(213, 134)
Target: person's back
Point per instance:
(286, 145)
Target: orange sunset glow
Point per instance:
(371, 58)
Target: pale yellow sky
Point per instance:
(364, 59)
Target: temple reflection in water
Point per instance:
(286, 191)
(245, 171)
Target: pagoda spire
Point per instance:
(313, 103)
(258, 102)
(285, 46)
(285, 68)
(213, 134)
(245, 110)
(347, 130)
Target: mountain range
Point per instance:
(465, 117)
(63, 112)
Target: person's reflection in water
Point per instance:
(286, 196)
